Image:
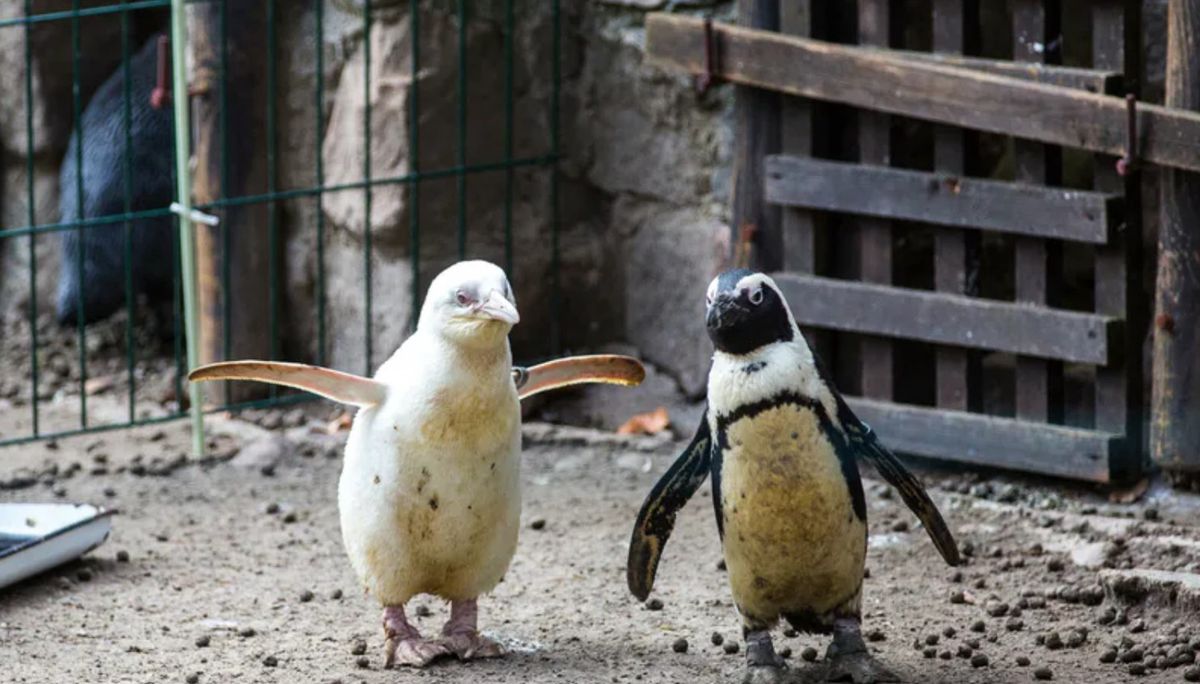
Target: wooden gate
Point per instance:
(928, 277)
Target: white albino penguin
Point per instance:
(429, 495)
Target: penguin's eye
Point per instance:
(756, 296)
(462, 298)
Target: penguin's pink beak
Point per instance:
(496, 307)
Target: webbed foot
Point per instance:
(763, 666)
(404, 644)
(461, 634)
(849, 660)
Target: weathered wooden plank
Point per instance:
(1116, 43)
(799, 231)
(1087, 80)
(1039, 383)
(949, 319)
(756, 134)
(941, 198)
(958, 379)
(869, 78)
(992, 441)
(1175, 425)
(874, 236)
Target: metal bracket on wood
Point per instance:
(1128, 163)
(709, 77)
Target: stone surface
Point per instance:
(1154, 589)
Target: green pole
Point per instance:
(183, 193)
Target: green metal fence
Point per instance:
(25, 236)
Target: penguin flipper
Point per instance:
(609, 369)
(656, 518)
(867, 445)
(345, 388)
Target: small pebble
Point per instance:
(946, 655)
(1022, 661)
(964, 651)
(876, 635)
(785, 652)
(731, 647)
(1150, 514)
(1133, 655)
(203, 640)
(246, 632)
(1014, 624)
(270, 661)
(997, 609)
(931, 640)
(791, 633)
(110, 492)
(63, 583)
(193, 678)
(1109, 656)
(1137, 626)
(717, 639)
(122, 556)
(978, 626)
(267, 471)
(336, 594)
(809, 654)
(654, 604)
(1137, 668)
(363, 662)
(1192, 674)
(538, 524)
(272, 508)
(1055, 565)
(979, 660)
(680, 645)
(84, 575)
(306, 596)
(359, 648)
(929, 652)
(958, 597)
(1053, 641)
(290, 517)
(900, 526)
(1043, 673)
(949, 632)
(721, 565)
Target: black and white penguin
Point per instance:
(781, 446)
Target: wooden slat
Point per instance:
(756, 134)
(988, 440)
(799, 231)
(958, 378)
(949, 319)
(870, 78)
(941, 198)
(874, 236)
(1039, 383)
(1087, 80)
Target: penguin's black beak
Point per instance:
(726, 311)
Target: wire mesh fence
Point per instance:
(112, 315)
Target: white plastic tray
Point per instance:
(37, 537)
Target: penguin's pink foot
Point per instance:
(461, 634)
(405, 645)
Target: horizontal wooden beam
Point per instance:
(1088, 80)
(940, 198)
(979, 439)
(880, 80)
(949, 319)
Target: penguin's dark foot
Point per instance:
(461, 634)
(849, 660)
(763, 666)
(859, 668)
(405, 645)
(764, 674)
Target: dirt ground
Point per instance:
(235, 543)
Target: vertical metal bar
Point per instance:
(461, 175)
(1038, 262)
(875, 368)
(127, 187)
(183, 192)
(957, 369)
(555, 276)
(509, 39)
(77, 110)
(414, 159)
(31, 212)
(367, 180)
(319, 11)
(272, 203)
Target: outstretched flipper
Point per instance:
(345, 388)
(656, 519)
(864, 442)
(576, 370)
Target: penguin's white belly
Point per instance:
(792, 542)
(435, 508)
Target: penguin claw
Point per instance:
(858, 667)
(413, 652)
(764, 674)
(471, 645)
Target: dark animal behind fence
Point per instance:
(102, 286)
